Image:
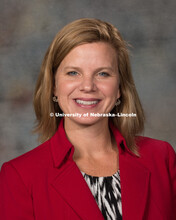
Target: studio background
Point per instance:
(28, 27)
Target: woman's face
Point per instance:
(87, 81)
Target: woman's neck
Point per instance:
(89, 140)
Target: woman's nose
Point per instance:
(88, 84)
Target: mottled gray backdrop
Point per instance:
(28, 27)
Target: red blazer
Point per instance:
(46, 184)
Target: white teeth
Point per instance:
(86, 102)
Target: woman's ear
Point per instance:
(55, 94)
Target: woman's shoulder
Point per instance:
(32, 161)
(153, 148)
(28, 170)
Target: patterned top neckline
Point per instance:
(115, 174)
(107, 193)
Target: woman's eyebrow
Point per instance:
(96, 70)
(104, 68)
(72, 67)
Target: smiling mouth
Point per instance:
(87, 102)
(82, 102)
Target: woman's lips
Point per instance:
(87, 103)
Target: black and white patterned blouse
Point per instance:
(107, 193)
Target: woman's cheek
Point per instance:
(108, 88)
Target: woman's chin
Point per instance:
(86, 120)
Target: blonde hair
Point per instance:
(79, 32)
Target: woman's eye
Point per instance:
(72, 73)
(104, 74)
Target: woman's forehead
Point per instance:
(97, 54)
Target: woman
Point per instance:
(90, 166)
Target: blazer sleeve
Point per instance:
(172, 171)
(15, 199)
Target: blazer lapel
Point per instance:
(70, 184)
(134, 187)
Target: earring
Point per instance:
(118, 102)
(55, 99)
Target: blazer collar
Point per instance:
(121, 143)
(60, 145)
